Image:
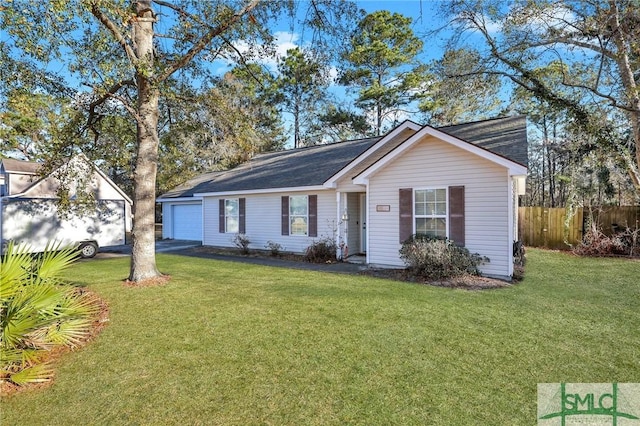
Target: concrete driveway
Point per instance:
(162, 246)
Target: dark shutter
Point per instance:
(406, 213)
(221, 224)
(285, 215)
(241, 215)
(456, 215)
(313, 215)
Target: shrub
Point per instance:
(596, 243)
(437, 258)
(38, 312)
(242, 242)
(321, 251)
(274, 248)
(518, 253)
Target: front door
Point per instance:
(363, 223)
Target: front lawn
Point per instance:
(229, 343)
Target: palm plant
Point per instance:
(39, 312)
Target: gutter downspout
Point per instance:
(511, 192)
(338, 227)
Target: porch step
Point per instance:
(358, 259)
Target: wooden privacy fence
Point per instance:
(549, 227)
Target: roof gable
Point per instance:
(514, 167)
(385, 144)
(46, 186)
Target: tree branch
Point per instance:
(569, 41)
(109, 94)
(243, 62)
(204, 41)
(104, 19)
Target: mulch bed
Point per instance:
(465, 282)
(252, 253)
(150, 282)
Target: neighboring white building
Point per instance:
(29, 212)
(460, 182)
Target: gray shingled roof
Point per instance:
(191, 186)
(503, 136)
(19, 166)
(314, 165)
(285, 169)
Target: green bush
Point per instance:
(321, 251)
(38, 312)
(437, 258)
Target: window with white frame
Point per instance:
(299, 215)
(431, 212)
(231, 215)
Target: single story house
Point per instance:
(30, 215)
(460, 182)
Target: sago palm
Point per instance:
(38, 312)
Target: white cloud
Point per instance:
(285, 41)
(492, 26)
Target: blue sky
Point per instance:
(422, 12)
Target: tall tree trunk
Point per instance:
(143, 259)
(632, 91)
(379, 109)
(296, 125)
(545, 140)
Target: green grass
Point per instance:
(228, 343)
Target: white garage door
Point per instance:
(187, 222)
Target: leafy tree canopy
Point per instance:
(381, 62)
(592, 47)
(122, 58)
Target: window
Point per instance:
(298, 215)
(431, 212)
(231, 215)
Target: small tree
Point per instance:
(301, 86)
(381, 62)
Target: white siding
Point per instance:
(18, 182)
(433, 163)
(37, 222)
(263, 220)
